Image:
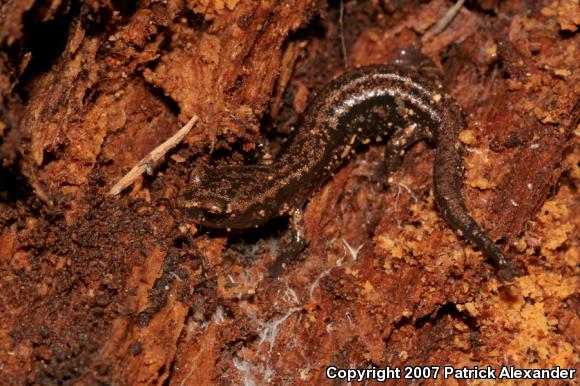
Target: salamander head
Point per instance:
(227, 197)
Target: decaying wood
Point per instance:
(127, 290)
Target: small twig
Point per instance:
(341, 32)
(155, 155)
(447, 18)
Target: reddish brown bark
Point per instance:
(126, 290)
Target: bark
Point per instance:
(127, 290)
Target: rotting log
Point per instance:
(127, 290)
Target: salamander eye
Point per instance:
(215, 207)
(197, 178)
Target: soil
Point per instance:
(126, 290)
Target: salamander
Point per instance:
(392, 102)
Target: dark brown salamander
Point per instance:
(362, 105)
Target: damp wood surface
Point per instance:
(126, 290)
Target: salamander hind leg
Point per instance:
(396, 147)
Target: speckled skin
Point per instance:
(366, 104)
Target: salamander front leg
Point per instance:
(293, 246)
